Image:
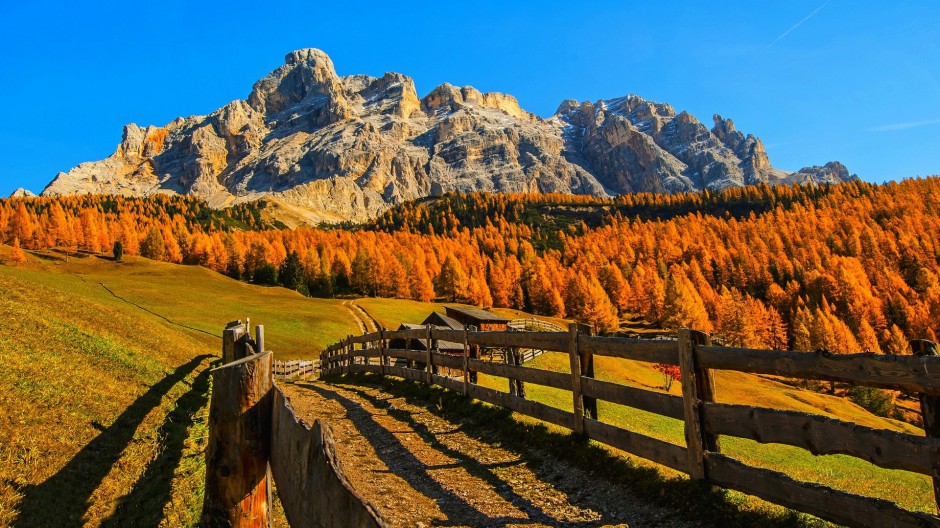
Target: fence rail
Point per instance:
(705, 420)
(255, 437)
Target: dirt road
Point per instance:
(420, 469)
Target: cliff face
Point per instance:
(328, 148)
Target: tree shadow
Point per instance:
(63, 499)
(143, 505)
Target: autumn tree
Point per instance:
(17, 255)
(452, 281)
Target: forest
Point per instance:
(846, 268)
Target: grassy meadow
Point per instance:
(104, 383)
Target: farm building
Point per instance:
(482, 319)
(446, 347)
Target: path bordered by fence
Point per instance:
(255, 437)
(705, 419)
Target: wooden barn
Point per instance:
(482, 319)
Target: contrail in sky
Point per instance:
(798, 24)
(902, 126)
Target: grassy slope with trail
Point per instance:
(908, 489)
(103, 402)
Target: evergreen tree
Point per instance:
(291, 274)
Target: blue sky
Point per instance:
(855, 81)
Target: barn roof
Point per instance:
(477, 313)
(439, 319)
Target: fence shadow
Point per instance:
(63, 499)
(696, 501)
(144, 505)
(484, 471)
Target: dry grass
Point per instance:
(103, 403)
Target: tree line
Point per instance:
(845, 267)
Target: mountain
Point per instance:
(320, 147)
(22, 193)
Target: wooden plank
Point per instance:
(829, 504)
(237, 487)
(825, 436)
(429, 358)
(694, 430)
(447, 382)
(705, 384)
(441, 334)
(447, 360)
(548, 378)
(651, 350)
(406, 373)
(367, 338)
(654, 402)
(383, 345)
(466, 363)
(311, 483)
(669, 455)
(929, 406)
(909, 373)
(411, 355)
(587, 371)
(557, 341)
(575, 361)
(527, 407)
(416, 333)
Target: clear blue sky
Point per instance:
(855, 81)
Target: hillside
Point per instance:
(104, 386)
(321, 147)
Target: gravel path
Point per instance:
(421, 470)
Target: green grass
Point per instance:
(909, 490)
(103, 403)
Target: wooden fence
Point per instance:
(255, 437)
(705, 420)
(294, 369)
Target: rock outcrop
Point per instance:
(326, 148)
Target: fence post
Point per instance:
(929, 405)
(575, 359)
(237, 491)
(429, 358)
(587, 371)
(259, 338)
(230, 339)
(697, 386)
(466, 361)
(382, 346)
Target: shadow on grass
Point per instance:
(62, 499)
(698, 502)
(143, 506)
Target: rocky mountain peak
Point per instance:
(320, 147)
(22, 193)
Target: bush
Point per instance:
(874, 400)
(118, 251)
